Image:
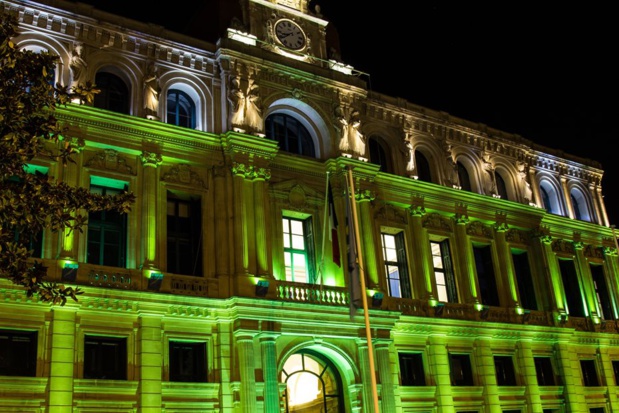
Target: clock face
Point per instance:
(290, 34)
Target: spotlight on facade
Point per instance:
(154, 281)
(262, 288)
(69, 271)
(438, 309)
(377, 299)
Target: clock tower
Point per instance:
(289, 28)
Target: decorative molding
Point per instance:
(183, 174)
(109, 159)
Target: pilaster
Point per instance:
(150, 194)
(150, 357)
(62, 360)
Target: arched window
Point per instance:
(576, 207)
(501, 188)
(291, 135)
(181, 110)
(378, 155)
(579, 205)
(463, 177)
(423, 167)
(313, 384)
(546, 199)
(549, 198)
(114, 93)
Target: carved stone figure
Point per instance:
(151, 90)
(246, 113)
(525, 186)
(352, 141)
(489, 180)
(451, 167)
(78, 65)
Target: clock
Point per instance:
(290, 34)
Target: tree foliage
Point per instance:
(30, 203)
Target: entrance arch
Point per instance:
(313, 384)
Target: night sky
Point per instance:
(546, 72)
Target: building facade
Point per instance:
(488, 266)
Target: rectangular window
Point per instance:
(299, 250)
(571, 286)
(602, 295)
(524, 279)
(18, 353)
(105, 358)
(187, 361)
(589, 373)
(485, 275)
(545, 373)
(505, 374)
(443, 272)
(411, 369)
(616, 371)
(460, 370)
(184, 250)
(33, 242)
(396, 267)
(107, 230)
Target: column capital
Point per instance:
(151, 159)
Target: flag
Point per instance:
(333, 227)
(354, 280)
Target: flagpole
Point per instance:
(325, 228)
(364, 297)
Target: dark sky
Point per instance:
(548, 72)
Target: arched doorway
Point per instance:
(313, 384)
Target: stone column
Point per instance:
(260, 223)
(597, 210)
(608, 375)
(269, 368)
(241, 226)
(364, 366)
(245, 348)
(386, 376)
(573, 388)
(535, 188)
(487, 374)
(582, 267)
(421, 257)
(526, 361)
(68, 240)
(150, 190)
(566, 196)
(541, 243)
(150, 356)
(466, 262)
(439, 365)
(61, 369)
(506, 264)
(366, 229)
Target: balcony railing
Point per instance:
(138, 280)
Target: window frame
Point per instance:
(104, 225)
(412, 368)
(197, 348)
(400, 262)
(450, 287)
(289, 250)
(505, 370)
(468, 375)
(117, 364)
(298, 142)
(189, 240)
(173, 117)
(21, 346)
